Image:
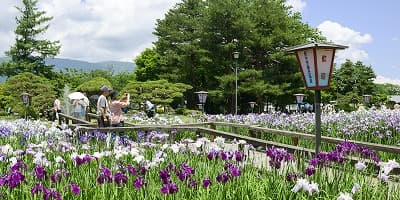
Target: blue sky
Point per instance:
(375, 39)
(99, 30)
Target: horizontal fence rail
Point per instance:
(254, 131)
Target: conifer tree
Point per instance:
(29, 51)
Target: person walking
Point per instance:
(116, 106)
(56, 108)
(78, 107)
(103, 109)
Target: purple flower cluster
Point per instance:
(75, 189)
(226, 155)
(12, 179)
(120, 177)
(82, 160)
(169, 188)
(40, 172)
(184, 174)
(230, 172)
(338, 155)
(47, 193)
(139, 183)
(104, 175)
(277, 156)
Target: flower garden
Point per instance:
(40, 161)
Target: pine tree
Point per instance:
(28, 53)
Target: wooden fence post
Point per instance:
(295, 141)
(213, 127)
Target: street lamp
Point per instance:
(25, 100)
(367, 99)
(252, 103)
(202, 99)
(315, 61)
(236, 57)
(299, 100)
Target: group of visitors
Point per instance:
(110, 113)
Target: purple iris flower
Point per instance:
(37, 188)
(193, 184)
(56, 177)
(164, 175)
(169, 188)
(291, 177)
(143, 170)
(139, 182)
(40, 172)
(310, 170)
(51, 193)
(132, 170)
(223, 177)
(239, 156)
(235, 171)
(120, 178)
(206, 182)
(75, 189)
(18, 166)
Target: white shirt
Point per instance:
(103, 103)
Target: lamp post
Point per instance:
(25, 100)
(315, 61)
(202, 99)
(367, 99)
(299, 100)
(252, 103)
(236, 57)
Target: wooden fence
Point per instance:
(210, 128)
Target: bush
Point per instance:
(40, 89)
(190, 112)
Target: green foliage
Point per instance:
(355, 77)
(147, 65)
(92, 87)
(41, 91)
(28, 53)
(196, 40)
(158, 92)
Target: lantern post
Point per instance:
(315, 61)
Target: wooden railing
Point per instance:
(254, 132)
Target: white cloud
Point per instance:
(93, 30)
(339, 34)
(382, 79)
(395, 39)
(297, 5)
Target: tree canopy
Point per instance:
(41, 92)
(29, 51)
(196, 39)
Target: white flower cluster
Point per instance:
(386, 168)
(306, 186)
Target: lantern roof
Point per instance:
(315, 44)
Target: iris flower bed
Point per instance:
(376, 126)
(39, 162)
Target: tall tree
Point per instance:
(197, 38)
(29, 52)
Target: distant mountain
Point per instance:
(116, 66)
(61, 63)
